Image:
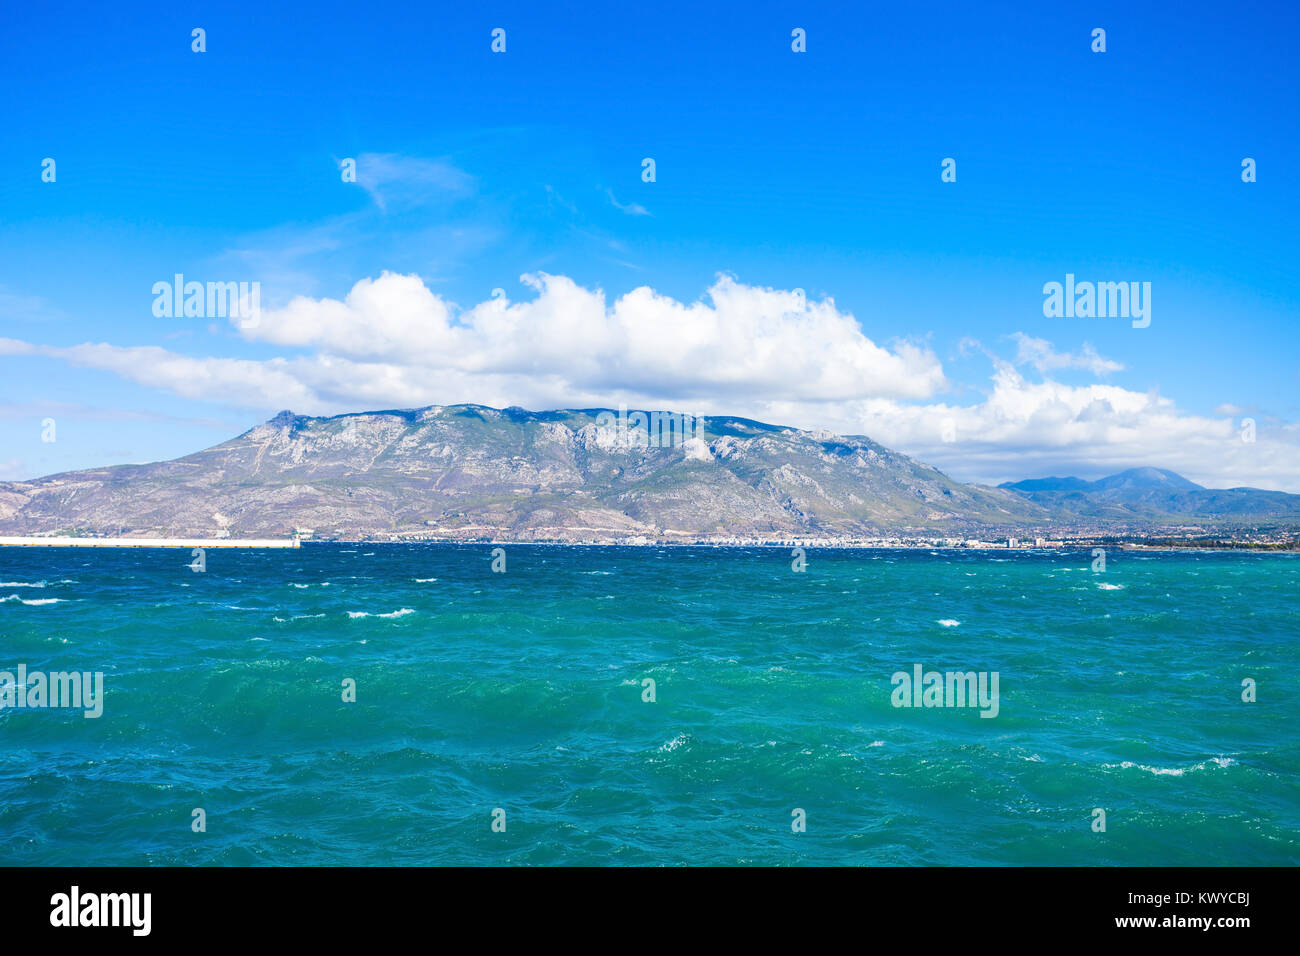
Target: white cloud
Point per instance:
(1228, 408)
(1031, 429)
(569, 342)
(1041, 355)
(239, 382)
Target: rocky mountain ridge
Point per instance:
(470, 472)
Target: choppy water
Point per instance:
(523, 691)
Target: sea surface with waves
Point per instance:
(523, 691)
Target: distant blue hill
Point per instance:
(1158, 495)
(1133, 478)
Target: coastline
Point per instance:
(1215, 545)
(69, 542)
(820, 544)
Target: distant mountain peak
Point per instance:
(1132, 478)
(1147, 478)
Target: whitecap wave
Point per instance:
(1173, 771)
(401, 612)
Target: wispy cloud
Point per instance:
(35, 411)
(631, 209)
(1041, 355)
(407, 182)
(15, 307)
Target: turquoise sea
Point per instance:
(523, 691)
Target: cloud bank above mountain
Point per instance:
(774, 355)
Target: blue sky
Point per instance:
(775, 170)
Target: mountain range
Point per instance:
(470, 472)
(1158, 496)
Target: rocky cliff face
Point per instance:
(470, 472)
